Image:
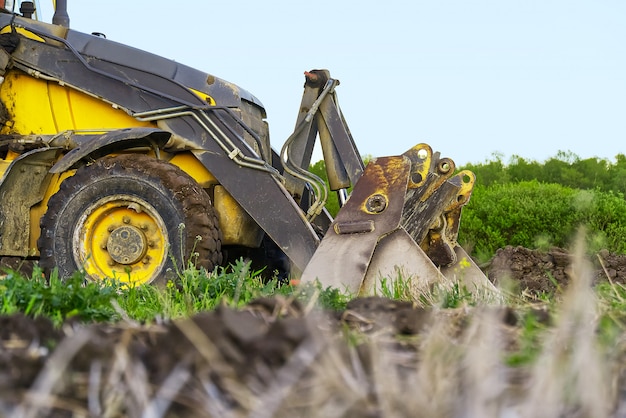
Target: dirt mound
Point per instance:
(548, 272)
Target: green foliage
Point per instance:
(566, 169)
(397, 288)
(57, 299)
(538, 205)
(612, 303)
(490, 172)
(517, 214)
(319, 169)
(324, 297)
(196, 291)
(529, 340)
(456, 296)
(538, 215)
(606, 221)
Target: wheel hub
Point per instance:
(126, 245)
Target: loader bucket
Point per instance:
(401, 220)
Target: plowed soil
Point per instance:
(273, 358)
(548, 272)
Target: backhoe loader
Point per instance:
(125, 165)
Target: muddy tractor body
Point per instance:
(126, 165)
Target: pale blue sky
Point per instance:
(471, 78)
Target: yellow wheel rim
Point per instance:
(121, 237)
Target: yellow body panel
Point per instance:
(236, 225)
(204, 97)
(187, 162)
(57, 108)
(6, 162)
(24, 32)
(37, 211)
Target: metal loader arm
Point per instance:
(321, 116)
(403, 213)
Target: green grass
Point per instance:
(237, 285)
(195, 291)
(57, 299)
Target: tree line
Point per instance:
(566, 169)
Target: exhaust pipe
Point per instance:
(27, 9)
(60, 14)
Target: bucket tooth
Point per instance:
(375, 205)
(401, 220)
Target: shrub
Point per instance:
(535, 215)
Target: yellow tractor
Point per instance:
(126, 165)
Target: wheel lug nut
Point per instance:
(126, 219)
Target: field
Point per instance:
(550, 343)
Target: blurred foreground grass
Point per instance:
(514, 356)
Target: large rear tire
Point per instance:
(131, 218)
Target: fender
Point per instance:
(23, 186)
(96, 146)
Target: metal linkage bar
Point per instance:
(320, 192)
(320, 115)
(225, 142)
